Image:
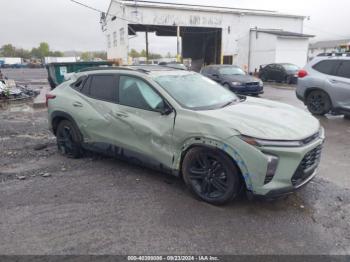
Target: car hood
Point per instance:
(240, 78)
(265, 119)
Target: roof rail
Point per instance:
(97, 68)
(339, 54)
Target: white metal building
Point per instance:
(209, 34)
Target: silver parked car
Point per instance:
(324, 85)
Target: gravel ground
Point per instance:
(96, 205)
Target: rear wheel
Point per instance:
(68, 139)
(263, 78)
(318, 102)
(211, 175)
(347, 116)
(289, 80)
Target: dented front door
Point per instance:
(147, 133)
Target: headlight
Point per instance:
(236, 83)
(276, 143)
(261, 83)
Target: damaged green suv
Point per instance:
(186, 124)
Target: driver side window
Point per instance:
(135, 92)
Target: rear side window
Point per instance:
(85, 87)
(327, 66)
(104, 87)
(344, 69)
(79, 83)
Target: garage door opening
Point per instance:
(201, 44)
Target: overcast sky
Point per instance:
(68, 26)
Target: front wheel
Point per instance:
(211, 175)
(227, 86)
(318, 102)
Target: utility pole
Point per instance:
(147, 55)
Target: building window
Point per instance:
(122, 36)
(109, 41)
(114, 39)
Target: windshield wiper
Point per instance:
(228, 103)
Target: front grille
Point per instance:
(311, 158)
(307, 166)
(252, 84)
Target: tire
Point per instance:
(347, 117)
(289, 80)
(263, 78)
(318, 102)
(211, 175)
(68, 139)
(227, 86)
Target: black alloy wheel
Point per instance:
(68, 139)
(211, 175)
(318, 102)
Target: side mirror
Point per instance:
(163, 108)
(167, 110)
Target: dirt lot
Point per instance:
(98, 205)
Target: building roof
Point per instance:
(282, 33)
(330, 44)
(205, 8)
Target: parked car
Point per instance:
(324, 85)
(174, 65)
(188, 125)
(281, 73)
(234, 78)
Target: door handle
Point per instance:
(333, 81)
(77, 104)
(120, 114)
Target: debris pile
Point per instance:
(10, 91)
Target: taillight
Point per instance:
(302, 73)
(48, 97)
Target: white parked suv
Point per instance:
(324, 85)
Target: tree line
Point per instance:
(43, 50)
(133, 53)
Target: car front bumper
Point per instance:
(247, 90)
(296, 167)
(280, 192)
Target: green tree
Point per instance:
(23, 53)
(8, 50)
(133, 53)
(143, 53)
(154, 56)
(56, 53)
(101, 55)
(85, 56)
(42, 51)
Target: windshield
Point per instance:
(195, 91)
(290, 67)
(231, 71)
